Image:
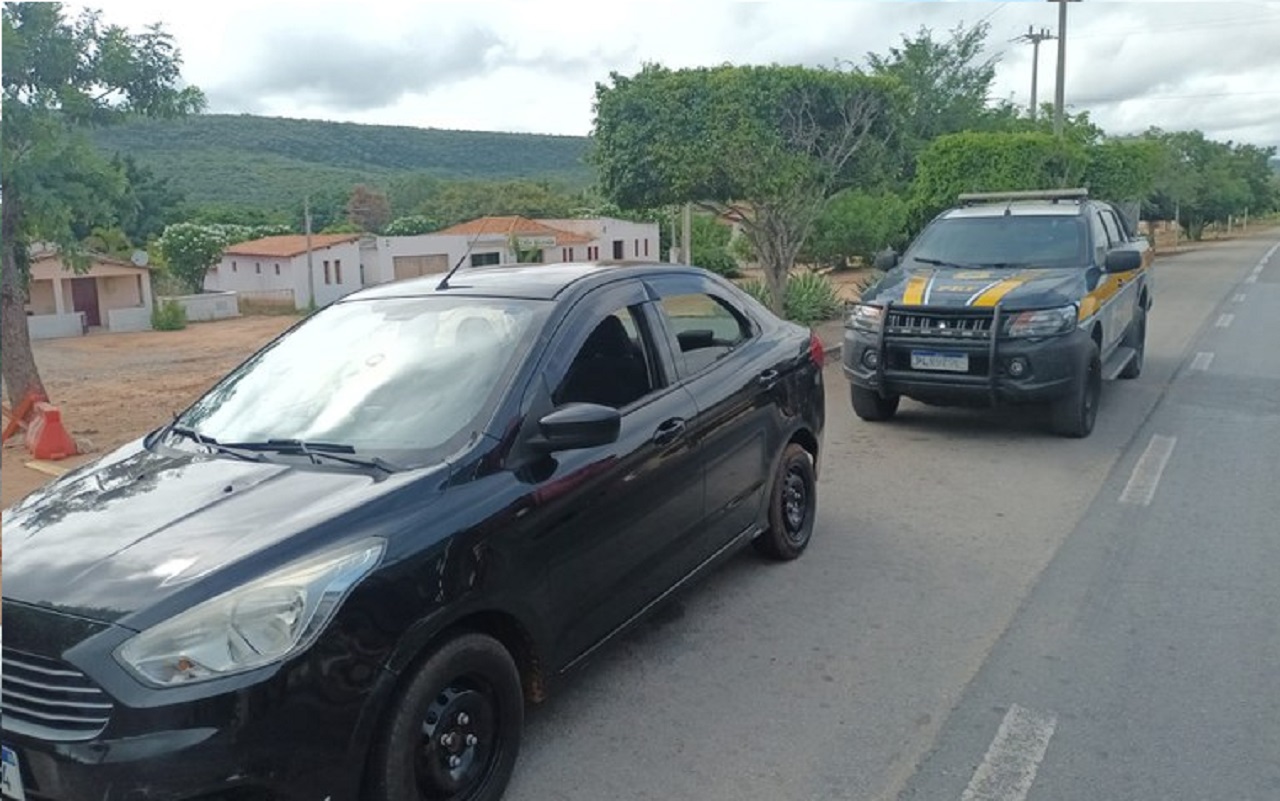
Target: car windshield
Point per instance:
(1014, 241)
(393, 376)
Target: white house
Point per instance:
(489, 241)
(111, 294)
(274, 269)
(610, 239)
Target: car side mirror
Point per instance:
(886, 260)
(1123, 260)
(578, 425)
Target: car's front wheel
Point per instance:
(454, 732)
(793, 501)
(1074, 415)
(871, 405)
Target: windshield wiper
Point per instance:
(315, 451)
(941, 263)
(190, 433)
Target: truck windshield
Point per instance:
(1012, 241)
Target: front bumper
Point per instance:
(297, 733)
(1052, 366)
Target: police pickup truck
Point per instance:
(1017, 297)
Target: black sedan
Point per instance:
(342, 572)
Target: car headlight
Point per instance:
(256, 624)
(865, 317)
(1041, 323)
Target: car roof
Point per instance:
(1018, 208)
(528, 281)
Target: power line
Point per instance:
(1034, 38)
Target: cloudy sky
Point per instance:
(532, 65)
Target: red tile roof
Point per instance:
(515, 226)
(288, 245)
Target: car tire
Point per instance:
(1074, 415)
(454, 731)
(871, 405)
(793, 503)
(1136, 338)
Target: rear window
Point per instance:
(1013, 241)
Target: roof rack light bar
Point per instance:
(1037, 194)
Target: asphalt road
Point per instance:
(974, 580)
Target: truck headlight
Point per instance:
(865, 317)
(265, 621)
(1041, 323)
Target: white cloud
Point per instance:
(532, 66)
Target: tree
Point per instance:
(856, 225)
(412, 225)
(711, 246)
(991, 162)
(149, 202)
(946, 85)
(60, 77)
(368, 209)
(769, 144)
(190, 250)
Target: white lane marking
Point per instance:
(1240, 298)
(1258, 267)
(1253, 279)
(1271, 252)
(1225, 320)
(1146, 473)
(1009, 768)
(1202, 361)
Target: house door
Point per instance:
(618, 249)
(84, 298)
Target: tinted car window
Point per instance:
(391, 374)
(1019, 240)
(706, 327)
(612, 368)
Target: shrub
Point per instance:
(717, 260)
(810, 297)
(168, 315)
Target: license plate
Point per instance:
(11, 775)
(935, 360)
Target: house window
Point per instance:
(277, 268)
(637, 246)
(233, 266)
(619, 247)
(593, 253)
(328, 277)
(485, 259)
(337, 271)
(646, 247)
(564, 254)
(257, 267)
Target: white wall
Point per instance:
(55, 326)
(347, 254)
(207, 306)
(604, 231)
(258, 274)
(135, 319)
(380, 265)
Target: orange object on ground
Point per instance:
(18, 417)
(46, 436)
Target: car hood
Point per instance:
(138, 526)
(957, 288)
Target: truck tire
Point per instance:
(871, 405)
(1074, 415)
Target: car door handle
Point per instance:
(669, 431)
(767, 379)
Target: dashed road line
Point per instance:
(1146, 473)
(1225, 320)
(1202, 361)
(1240, 298)
(1009, 768)
(1253, 279)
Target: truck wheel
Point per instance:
(869, 405)
(1074, 415)
(1136, 338)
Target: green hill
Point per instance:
(271, 162)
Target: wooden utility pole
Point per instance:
(1034, 37)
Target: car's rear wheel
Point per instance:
(454, 732)
(1074, 415)
(793, 501)
(1136, 338)
(871, 405)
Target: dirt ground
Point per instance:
(112, 388)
